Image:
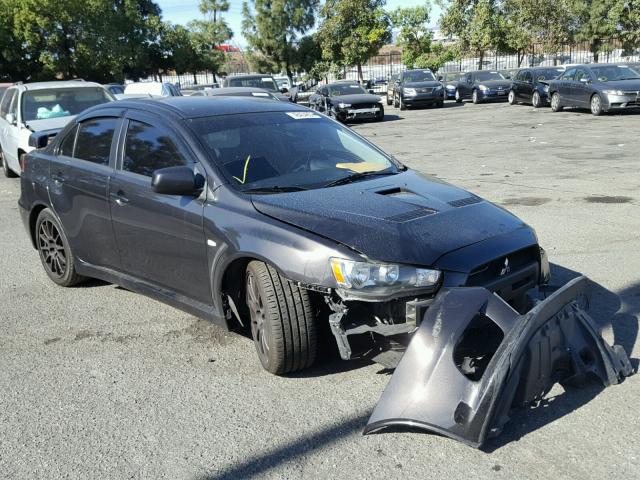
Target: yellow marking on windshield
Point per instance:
(244, 175)
(362, 166)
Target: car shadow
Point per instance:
(257, 466)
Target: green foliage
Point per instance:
(272, 27)
(436, 57)
(596, 23)
(352, 31)
(414, 35)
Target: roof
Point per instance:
(197, 107)
(251, 75)
(236, 90)
(58, 84)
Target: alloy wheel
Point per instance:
(535, 100)
(512, 98)
(596, 105)
(259, 327)
(51, 246)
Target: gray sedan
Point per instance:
(600, 87)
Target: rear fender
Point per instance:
(438, 388)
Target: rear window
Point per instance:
(255, 82)
(61, 102)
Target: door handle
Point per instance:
(120, 198)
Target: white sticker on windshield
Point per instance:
(260, 94)
(302, 115)
(266, 80)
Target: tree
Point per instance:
(597, 24)
(436, 57)
(352, 31)
(627, 15)
(207, 34)
(272, 27)
(414, 35)
(477, 24)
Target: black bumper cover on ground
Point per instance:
(555, 342)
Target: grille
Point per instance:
(489, 272)
(463, 202)
(411, 215)
(363, 105)
(424, 90)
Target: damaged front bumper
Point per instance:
(473, 358)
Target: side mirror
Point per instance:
(371, 90)
(585, 80)
(174, 181)
(284, 90)
(440, 78)
(40, 139)
(11, 118)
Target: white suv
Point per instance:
(36, 107)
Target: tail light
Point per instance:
(23, 162)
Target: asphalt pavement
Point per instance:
(99, 382)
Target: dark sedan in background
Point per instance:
(483, 85)
(345, 100)
(450, 81)
(417, 88)
(530, 85)
(599, 87)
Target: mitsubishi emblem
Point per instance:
(506, 268)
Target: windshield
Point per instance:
(60, 102)
(452, 77)
(484, 76)
(299, 149)
(255, 82)
(610, 73)
(547, 74)
(337, 90)
(418, 76)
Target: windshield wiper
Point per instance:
(629, 78)
(274, 189)
(357, 176)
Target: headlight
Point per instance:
(484, 88)
(344, 105)
(450, 87)
(438, 88)
(613, 92)
(546, 89)
(409, 91)
(381, 279)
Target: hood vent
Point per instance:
(463, 202)
(411, 215)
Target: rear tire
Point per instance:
(536, 101)
(555, 102)
(389, 101)
(596, 105)
(5, 167)
(55, 252)
(282, 320)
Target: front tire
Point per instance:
(380, 114)
(536, 101)
(512, 98)
(402, 105)
(596, 105)
(555, 102)
(475, 98)
(458, 96)
(55, 252)
(389, 101)
(282, 320)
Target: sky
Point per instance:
(182, 11)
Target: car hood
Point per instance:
(403, 218)
(496, 83)
(356, 98)
(49, 123)
(431, 84)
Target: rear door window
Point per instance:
(6, 102)
(149, 148)
(94, 139)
